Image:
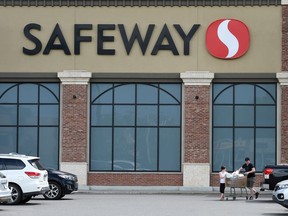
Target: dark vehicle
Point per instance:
(272, 175)
(60, 184)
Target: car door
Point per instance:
(11, 168)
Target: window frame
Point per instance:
(135, 127)
(37, 103)
(254, 126)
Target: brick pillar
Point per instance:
(196, 167)
(74, 123)
(285, 37)
(283, 79)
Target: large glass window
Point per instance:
(135, 127)
(29, 120)
(244, 125)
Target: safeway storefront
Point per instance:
(120, 93)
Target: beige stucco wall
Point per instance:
(264, 24)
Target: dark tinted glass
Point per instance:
(13, 164)
(36, 164)
(2, 167)
(244, 124)
(29, 120)
(135, 127)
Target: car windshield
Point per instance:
(36, 164)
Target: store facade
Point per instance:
(150, 93)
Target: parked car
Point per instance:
(60, 184)
(280, 193)
(26, 176)
(272, 174)
(5, 193)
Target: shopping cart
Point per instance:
(237, 184)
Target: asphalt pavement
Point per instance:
(146, 204)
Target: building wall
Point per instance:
(284, 88)
(136, 179)
(264, 56)
(197, 115)
(74, 123)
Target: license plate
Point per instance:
(266, 176)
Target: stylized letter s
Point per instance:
(227, 39)
(32, 38)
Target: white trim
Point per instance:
(284, 2)
(282, 78)
(197, 77)
(75, 77)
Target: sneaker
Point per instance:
(256, 195)
(251, 198)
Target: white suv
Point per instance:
(26, 176)
(5, 193)
(280, 193)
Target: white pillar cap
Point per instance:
(282, 77)
(197, 77)
(76, 77)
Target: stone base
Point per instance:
(77, 168)
(196, 175)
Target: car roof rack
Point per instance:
(14, 154)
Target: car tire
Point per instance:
(55, 191)
(16, 194)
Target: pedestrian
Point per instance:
(250, 172)
(222, 176)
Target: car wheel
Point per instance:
(54, 192)
(16, 195)
(26, 199)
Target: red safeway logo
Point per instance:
(227, 39)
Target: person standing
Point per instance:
(222, 176)
(250, 172)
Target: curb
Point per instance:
(154, 190)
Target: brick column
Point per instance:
(285, 37)
(196, 167)
(283, 80)
(74, 122)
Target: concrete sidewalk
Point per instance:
(155, 189)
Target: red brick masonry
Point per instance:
(135, 179)
(74, 130)
(284, 88)
(196, 148)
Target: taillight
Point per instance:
(33, 174)
(268, 171)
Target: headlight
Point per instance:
(68, 177)
(283, 186)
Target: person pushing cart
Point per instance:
(250, 172)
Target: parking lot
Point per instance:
(135, 204)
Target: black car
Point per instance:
(60, 183)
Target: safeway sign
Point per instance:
(227, 39)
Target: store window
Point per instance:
(244, 125)
(135, 127)
(29, 114)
